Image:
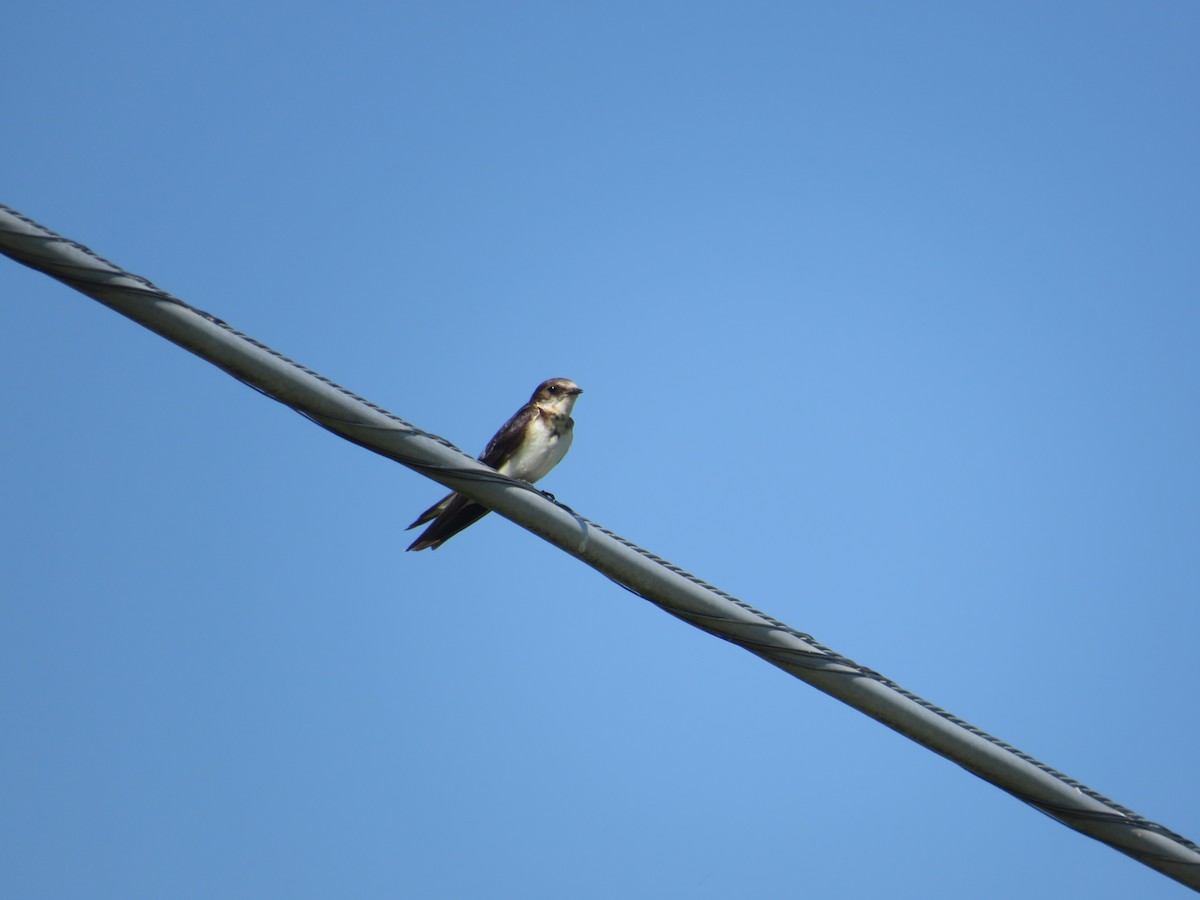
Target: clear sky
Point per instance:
(888, 317)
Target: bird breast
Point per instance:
(546, 443)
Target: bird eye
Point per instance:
(553, 388)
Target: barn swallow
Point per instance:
(529, 445)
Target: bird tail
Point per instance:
(432, 513)
(459, 514)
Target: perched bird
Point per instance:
(529, 445)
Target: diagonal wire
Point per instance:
(672, 589)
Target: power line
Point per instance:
(668, 587)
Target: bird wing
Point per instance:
(454, 512)
(506, 441)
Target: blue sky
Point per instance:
(888, 317)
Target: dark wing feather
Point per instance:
(459, 514)
(432, 513)
(501, 447)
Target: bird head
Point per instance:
(556, 396)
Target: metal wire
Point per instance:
(667, 586)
